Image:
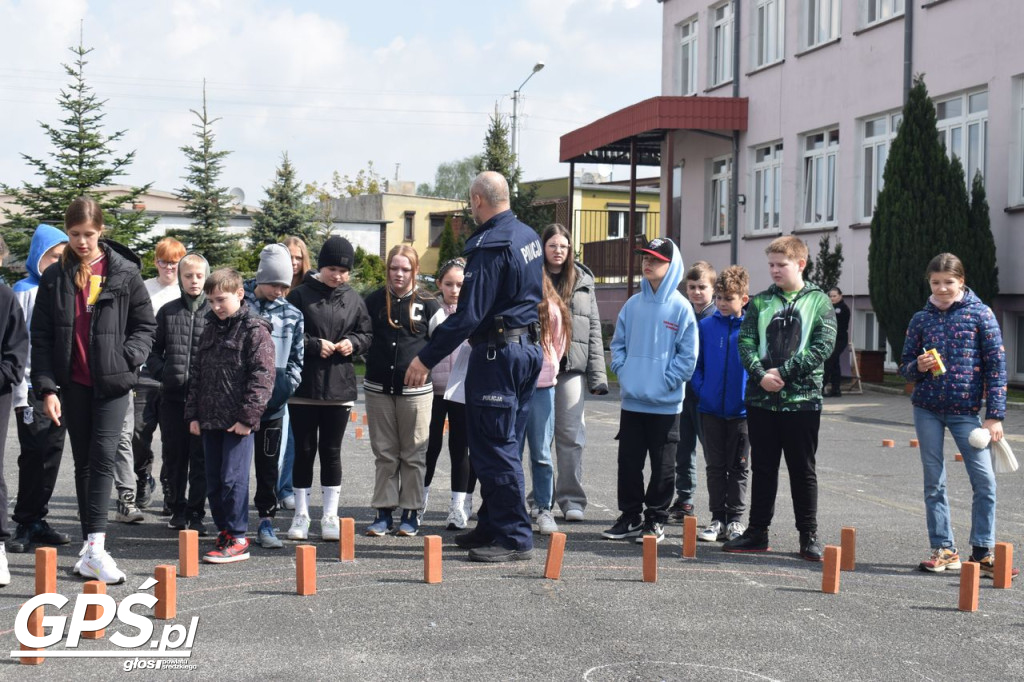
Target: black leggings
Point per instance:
(310, 423)
(94, 429)
(463, 479)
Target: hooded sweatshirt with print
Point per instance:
(793, 333)
(654, 349)
(43, 239)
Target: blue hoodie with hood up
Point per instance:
(654, 349)
(43, 239)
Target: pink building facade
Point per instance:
(824, 81)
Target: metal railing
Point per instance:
(601, 242)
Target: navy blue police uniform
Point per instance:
(497, 311)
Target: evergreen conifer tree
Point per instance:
(81, 162)
(498, 157)
(285, 212)
(206, 203)
(914, 218)
(980, 258)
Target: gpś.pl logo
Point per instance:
(174, 642)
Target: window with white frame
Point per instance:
(618, 220)
(767, 188)
(719, 207)
(769, 31)
(873, 11)
(878, 134)
(962, 122)
(820, 154)
(721, 44)
(821, 22)
(687, 57)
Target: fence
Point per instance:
(602, 244)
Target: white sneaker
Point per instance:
(98, 564)
(288, 502)
(330, 529)
(713, 532)
(574, 515)
(77, 570)
(5, 573)
(300, 528)
(457, 518)
(734, 530)
(546, 522)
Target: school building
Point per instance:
(775, 117)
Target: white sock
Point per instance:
(331, 495)
(468, 505)
(458, 500)
(96, 542)
(301, 501)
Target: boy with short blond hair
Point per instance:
(719, 382)
(654, 352)
(232, 379)
(787, 333)
(699, 290)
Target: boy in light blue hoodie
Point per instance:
(654, 352)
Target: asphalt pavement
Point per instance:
(716, 617)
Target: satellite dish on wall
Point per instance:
(237, 196)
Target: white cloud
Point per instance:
(334, 85)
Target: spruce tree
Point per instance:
(449, 246)
(980, 259)
(285, 212)
(828, 269)
(82, 162)
(206, 203)
(913, 219)
(498, 157)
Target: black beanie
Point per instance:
(336, 251)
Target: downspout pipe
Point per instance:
(734, 186)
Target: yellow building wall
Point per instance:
(395, 207)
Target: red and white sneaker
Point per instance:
(229, 550)
(942, 559)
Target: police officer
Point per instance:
(498, 313)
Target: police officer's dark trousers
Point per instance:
(499, 385)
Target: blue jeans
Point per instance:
(540, 430)
(287, 460)
(930, 432)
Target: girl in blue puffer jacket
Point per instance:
(956, 327)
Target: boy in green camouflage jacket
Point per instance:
(788, 332)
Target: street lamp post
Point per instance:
(515, 112)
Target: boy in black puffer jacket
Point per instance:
(232, 379)
(179, 324)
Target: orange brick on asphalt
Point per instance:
(556, 552)
(650, 559)
(914, 443)
(432, 559)
(1003, 578)
(689, 537)
(35, 628)
(848, 541)
(347, 546)
(830, 569)
(969, 578)
(94, 611)
(958, 457)
(166, 607)
(305, 570)
(888, 443)
(188, 553)
(46, 570)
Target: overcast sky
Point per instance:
(333, 83)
